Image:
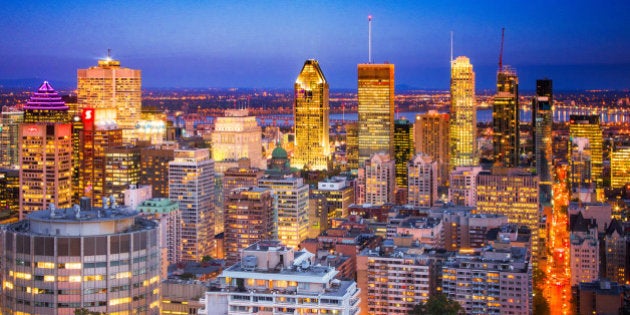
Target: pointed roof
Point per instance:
(615, 225)
(46, 98)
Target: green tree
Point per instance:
(541, 306)
(85, 311)
(206, 258)
(437, 304)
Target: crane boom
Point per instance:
(501, 52)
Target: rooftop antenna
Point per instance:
(451, 46)
(369, 38)
(109, 53)
(501, 51)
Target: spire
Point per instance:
(370, 39)
(451, 46)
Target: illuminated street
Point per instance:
(558, 288)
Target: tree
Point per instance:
(437, 304)
(85, 311)
(541, 306)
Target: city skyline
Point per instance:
(259, 45)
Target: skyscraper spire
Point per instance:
(369, 38)
(451, 46)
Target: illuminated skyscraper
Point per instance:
(431, 132)
(422, 181)
(463, 121)
(620, 167)
(45, 154)
(403, 150)
(191, 184)
(378, 178)
(375, 110)
(352, 145)
(122, 169)
(542, 107)
(588, 126)
(311, 110)
(154, 168)
(505, 119)
(237, 135)
(10, 120)
(112, 87)
(249, 218)
(9, 194)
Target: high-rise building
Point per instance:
(394, 280)
(9, 195)
(580, 160)
(250, 214)
(599, 297)
(122, 170)
(584, 249)
(542, 107)
(589, 127)
(615, 242)
(463, 119)
(423, 182)
(339, 195)
(403, 150)
(292, 196)
(154, 168)
(45, 153)
(311, 110)
(299, 286)
(352, 145)
(97, 135)
(500, 276)
(462, 190)
(237, 135)
(104, 260)
(191, 184)
(169, 219)
(10, 120)
(431, 132)
(378, 179)
(620, 167)
(108, 86)
(505, 119)
(513, 193)
(375, 110)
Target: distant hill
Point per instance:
(34, 83)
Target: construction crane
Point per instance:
(501, 52)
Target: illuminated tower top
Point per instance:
(45, 105)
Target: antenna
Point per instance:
(369, 39)
(109, 53)
(501, 52)
(451, 46)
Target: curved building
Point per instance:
(103, 260)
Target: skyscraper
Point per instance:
(10, 120)
(403, 150)
(112, 87)
(237, 135)
(505, 119)
(191, 184)
(375, 110)
(45, 153)
(311, 110)
(378, 178)
(431, 132)
(154, 168)
(423, 182)
(463, 121)
(542, 107)
(122, 169)
(588, 126)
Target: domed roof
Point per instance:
(279, 153)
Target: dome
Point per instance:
(279, 153)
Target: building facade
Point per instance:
(431, 138)
(237, 135)
(463, 121)
(463, 186)
(506, 120)
(10, 120)
(378, 179)
(423, 181)
(542, 107)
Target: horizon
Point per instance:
(256, 45)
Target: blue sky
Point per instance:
(261, 44)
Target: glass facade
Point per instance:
(463, 121)
(505, 120)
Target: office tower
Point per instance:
(588, 126)
(378, 179)
(580, 169)
(98, 134)
(294, 278)
(620, 167)
(191, 184)
(250, 214)
(513, 193)
(352, 145)
(292, 195)
(9, 195)
(339, 196)
(77, 148)
(403, 150)
(584, 254)
(409, 273)
(103, 260)
(10, 120)
(462, 133)
(431, 132)
(311, 110)
(151, 127)
(423, 181)
(463, 186)
(108, 86)
(542, 108)
(45, 153)
(169, 219)
(122, 170)
(505, 119)
(154, 168)
(241, 176)
(376, 110)
(616, 251)
(499, 275)
(237, 135)
(318, 213)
